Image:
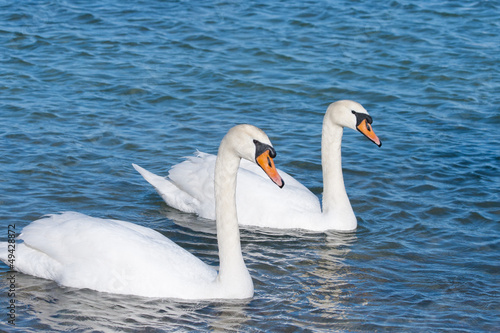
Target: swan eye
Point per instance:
(272, 152)
(360, 117)
(262, 147)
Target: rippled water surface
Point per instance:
(89, 87)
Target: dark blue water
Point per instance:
(89, 87)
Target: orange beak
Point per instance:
(267, 164)
(367, 130)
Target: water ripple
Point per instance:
(89, 88)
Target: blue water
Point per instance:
(89, 87)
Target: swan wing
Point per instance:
(173, 195)
(262, 204)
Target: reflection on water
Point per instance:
(299, 270)
(52, 307)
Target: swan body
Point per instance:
(190, 188)
(114, 256)
(189, 185)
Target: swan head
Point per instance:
(353, 115)
(252, 144)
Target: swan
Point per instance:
(189, 185)
(119, 257)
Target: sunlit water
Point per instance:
(89, 87)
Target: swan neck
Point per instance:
(334, 193)
(231, 261)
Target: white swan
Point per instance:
(189, 186)
(114, 256)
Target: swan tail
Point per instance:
(29, 261)
(171, 194)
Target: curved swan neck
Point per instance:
(334, 193)
(232, 266)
